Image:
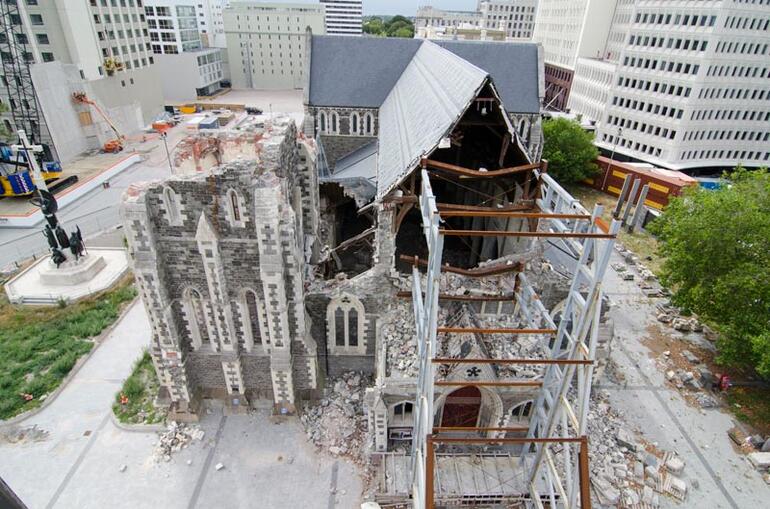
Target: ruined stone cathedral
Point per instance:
(274, 259)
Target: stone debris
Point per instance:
(624, 470)
(176, 437)
(398, 333)
(122, 468)
(19, 435)
(760, 460)
(218, 467)
(337, 423)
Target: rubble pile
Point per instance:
(20, 435)
(671, 316)
(510, 346)
(398, 333)
(176, 437)
(337, 423)
(625, 471)
(648, 281)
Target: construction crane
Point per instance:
(114, 145)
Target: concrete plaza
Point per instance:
(268, 463)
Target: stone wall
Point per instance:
(200, 244)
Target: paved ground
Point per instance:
(267, 465)
(725, 478)
(98, 211)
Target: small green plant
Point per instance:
(134, 402)
(61, 303)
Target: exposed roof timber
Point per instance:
(431, 164)
(464, 298)
(504, 233)
(483, 330)
(513, 215)
(440, 360)
(478, 272)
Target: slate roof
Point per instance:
(429, 98)
(356, 71)
(513, 67)
(361, 71)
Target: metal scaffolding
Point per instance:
(16, 59)
(553, 455)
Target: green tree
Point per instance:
(397, 26)
(569, 150)
(717, 249)
(373, 26)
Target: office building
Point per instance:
(266, 42)
(681, 86)
(50, 48)
(516, 18)
(343, 17)
(187, 68)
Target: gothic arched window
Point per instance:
(345, 325)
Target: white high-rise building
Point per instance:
(343, 17)
(568, 30)
(266, 42)
(187, 68)
(210, 22)
(516, 18)
(681, 85)
(51, 48)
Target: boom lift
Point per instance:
(114, 145)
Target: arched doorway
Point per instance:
(461, 408)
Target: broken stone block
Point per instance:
(651, 473)
(670, 375)
(639, 470)
(678, 486)
(690, 357)
(664, 318)
(766, 446)
(647, 495)
(760, 460)
(681, 324)
(123, 468)
(675, 465)
(627, 276)
(218, 467)
(650, 460)
(706, 376)
(706, 401)
(626, 439)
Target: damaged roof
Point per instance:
(361, 71)
(429, 98)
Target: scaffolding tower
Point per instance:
(553, 454)
(16, 59)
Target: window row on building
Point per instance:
(734, 93)
(642, 127)
(668, 42)
(637, 146)
(661, 65)
(654, 86)
(675, 19)
(647, 107)
(726, 134)
(742, 48)
(736, 71)
(359, 124)
(747, 23)
(740, 155)
(743, 115)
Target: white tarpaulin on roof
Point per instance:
(431, 95)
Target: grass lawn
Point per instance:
(40, 345)
(139, 390)
(752, 406)
(644, 245)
